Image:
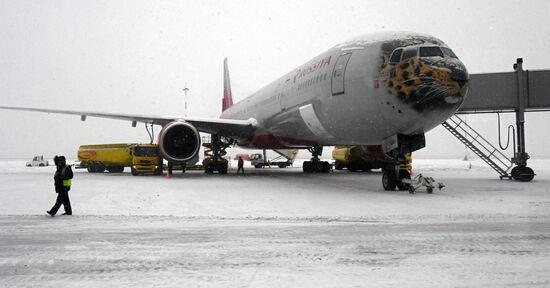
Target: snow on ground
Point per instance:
(280, 193)
(276, 228)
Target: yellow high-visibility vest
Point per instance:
(68, 182)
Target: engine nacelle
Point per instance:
(179, 141)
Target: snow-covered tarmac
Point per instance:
(276, 228)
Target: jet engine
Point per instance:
(179, 141)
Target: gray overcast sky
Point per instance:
(136, 56)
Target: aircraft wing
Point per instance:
(226, 127)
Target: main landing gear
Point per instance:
(315, 165)
(214, 150)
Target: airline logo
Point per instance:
(312, 68)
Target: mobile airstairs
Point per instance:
(479, 145)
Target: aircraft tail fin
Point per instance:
(227, 100)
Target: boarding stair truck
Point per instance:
(141, 158)
(364, 158)
(286, 158)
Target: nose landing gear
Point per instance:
(392, 178)
(398, 150)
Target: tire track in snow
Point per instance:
(102, 250)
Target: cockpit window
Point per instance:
(396, 56)
(409, 53)
(448, 52)
(430, 52)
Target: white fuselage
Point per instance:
(348, 96)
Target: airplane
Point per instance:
(382, 91)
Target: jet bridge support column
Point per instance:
(521, 172)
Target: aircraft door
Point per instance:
(283, 96)
(338, 74)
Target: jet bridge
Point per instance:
(518, 92)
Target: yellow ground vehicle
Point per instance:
(141, 158)
(356, 158)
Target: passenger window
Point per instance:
(396, 55)
(430, 52)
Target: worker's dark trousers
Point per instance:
(62, 198)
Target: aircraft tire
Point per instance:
(307, 167)
(353, 166)
(389, 180)
(325, 167)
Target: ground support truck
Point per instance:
(285, 159)
(141, 158)
(364, 158)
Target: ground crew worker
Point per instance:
(240, 165)
(62, 181)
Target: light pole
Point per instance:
(185, 91)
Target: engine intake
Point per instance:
(179, 141)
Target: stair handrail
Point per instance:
(475, 136)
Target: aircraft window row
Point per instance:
(312, 81)
(430, 52)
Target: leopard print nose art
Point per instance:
(426, 86)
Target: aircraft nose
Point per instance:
(459, 73)
(429, 84)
